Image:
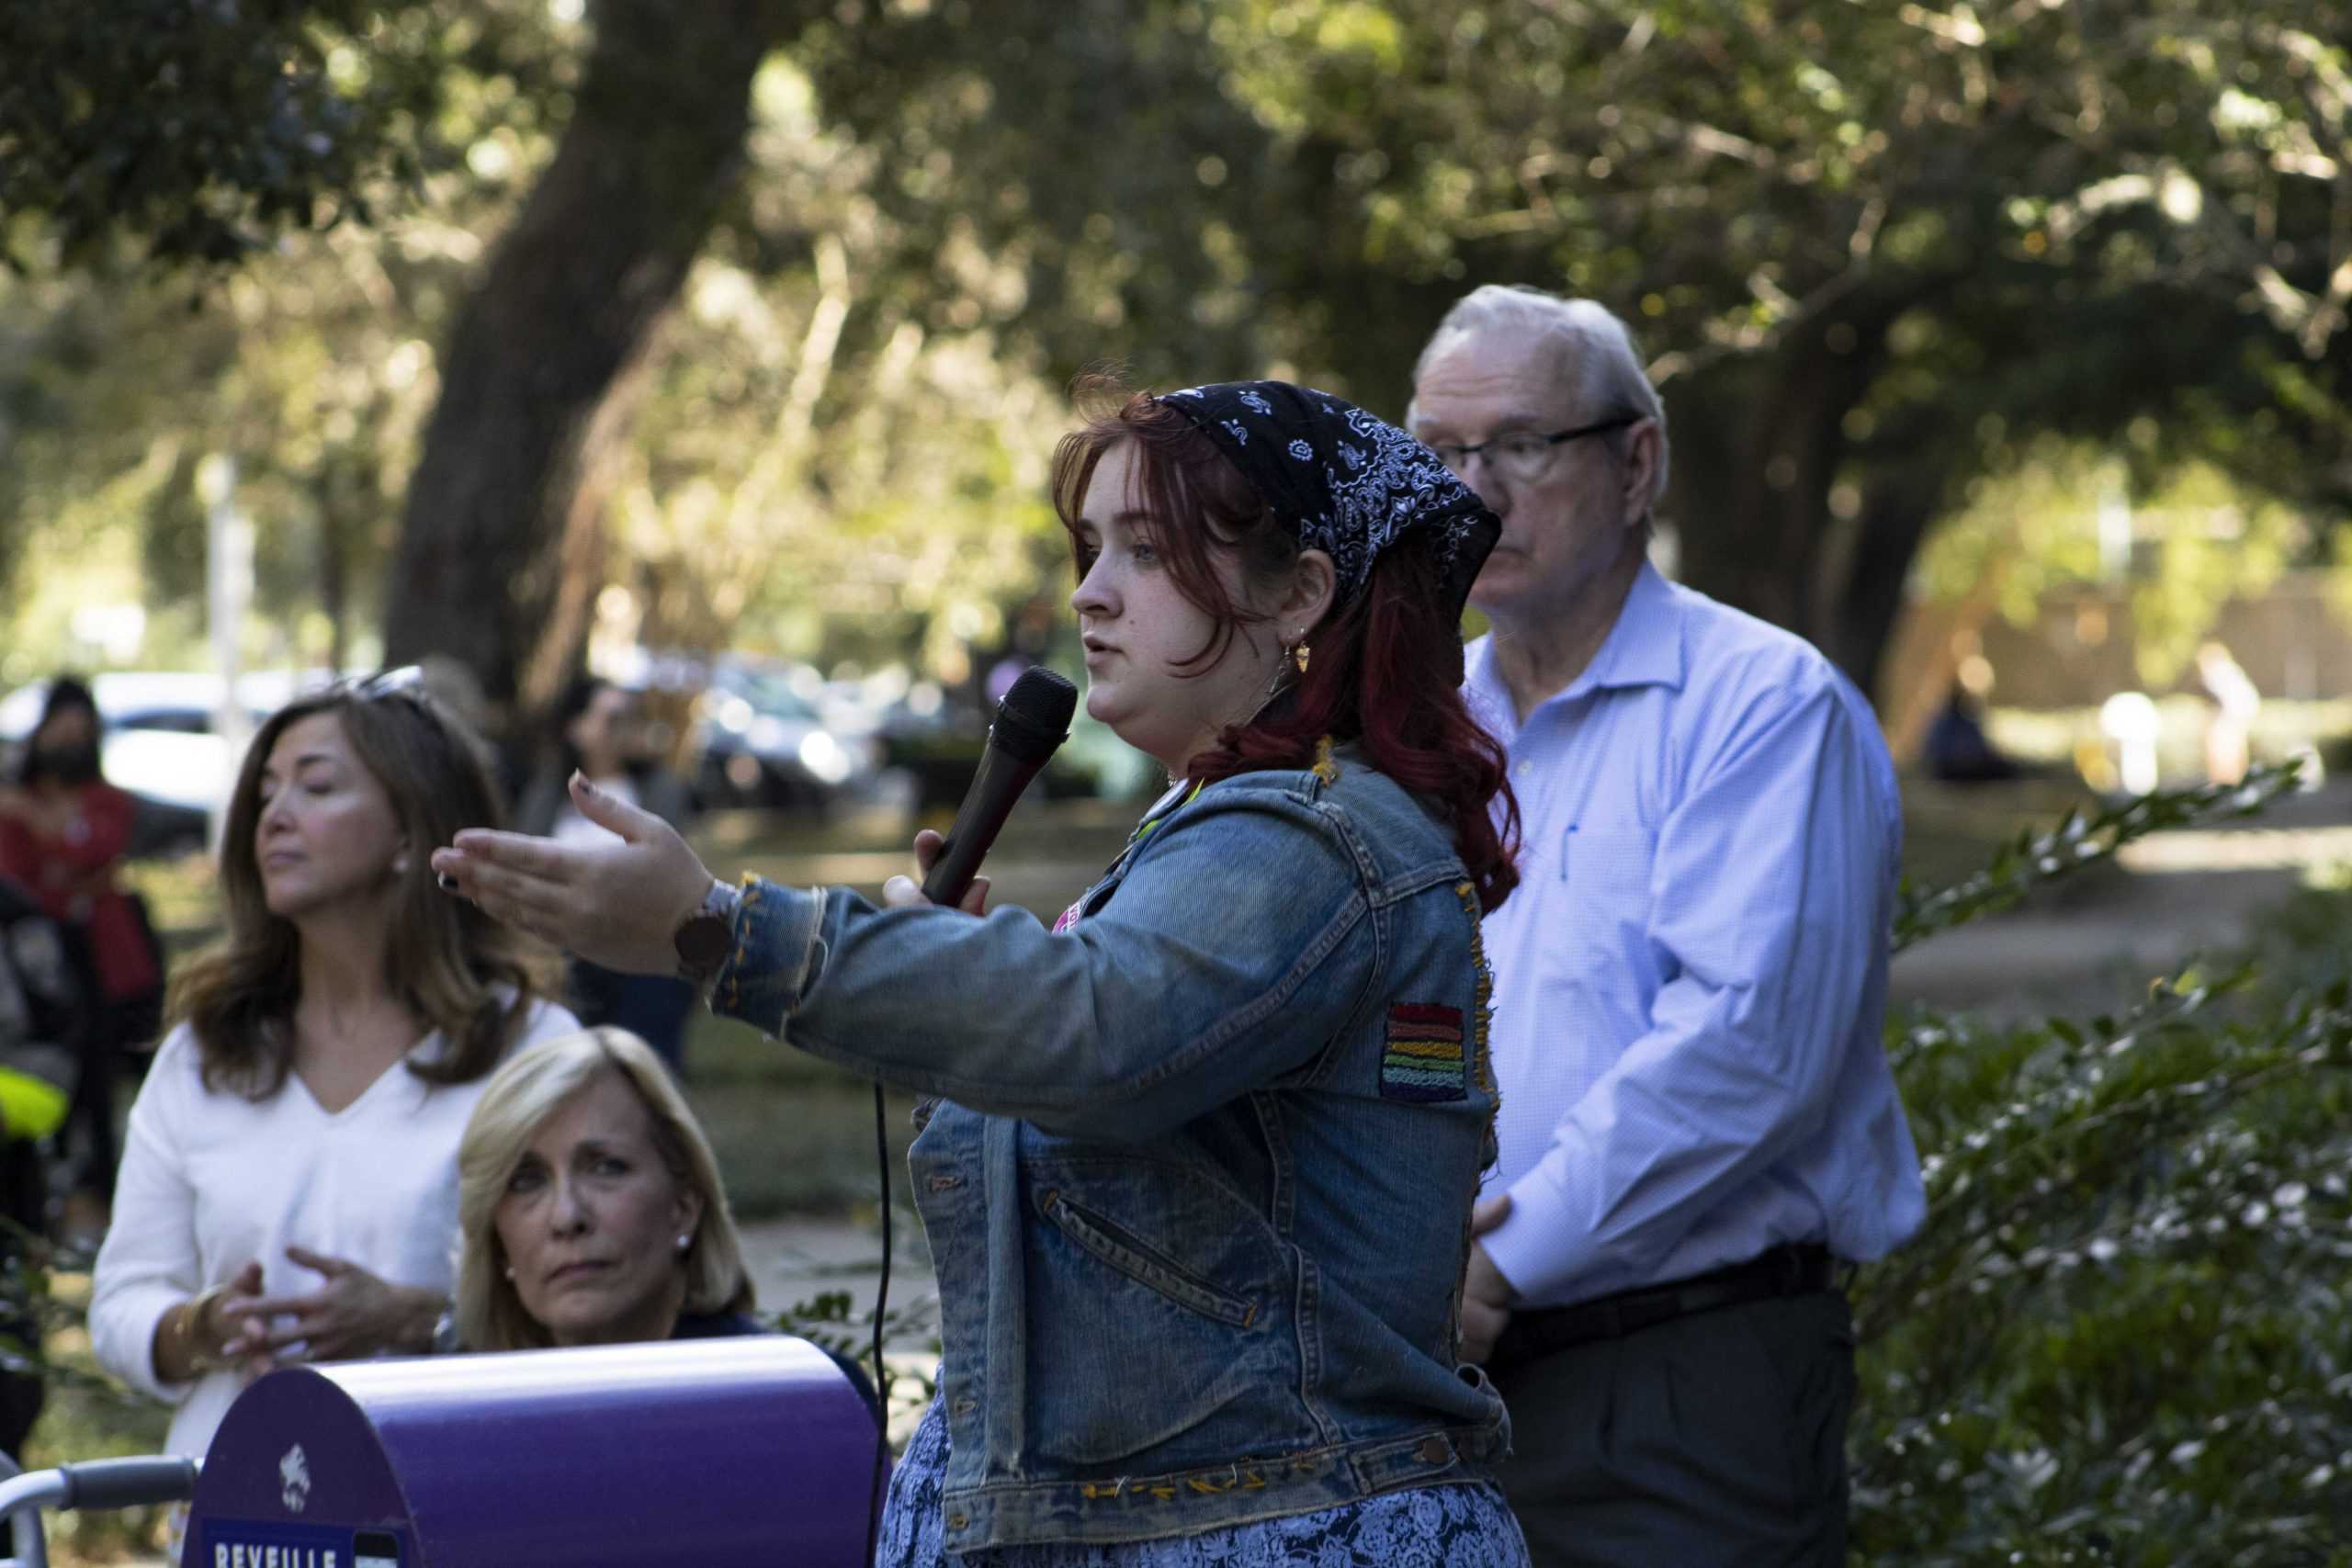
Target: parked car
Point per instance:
(757, 736)
(156, 743)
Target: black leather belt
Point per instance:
(1793, 1269)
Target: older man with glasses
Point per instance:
(1698, 1124)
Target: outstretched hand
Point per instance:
(906, 892)
(617, 903)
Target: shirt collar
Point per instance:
(1643, 648)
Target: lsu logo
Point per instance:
(294, 1478)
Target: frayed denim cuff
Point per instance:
(776, 956)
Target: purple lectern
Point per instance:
(713, 1453)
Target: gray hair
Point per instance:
(1587, 339)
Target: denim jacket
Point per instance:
(1199, 1192)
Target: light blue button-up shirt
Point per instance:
(1690, 979)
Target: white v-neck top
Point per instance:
(211, 1180)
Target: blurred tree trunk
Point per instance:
(500, 546)
(1764, 467)
(1896, 513)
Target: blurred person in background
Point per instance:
(597, 734)
(63, 832)
(290, 1180)
(41, 1013)
(2229, 730)
(1956, 748)
(1699, 1125)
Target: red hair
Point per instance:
(1385, 670)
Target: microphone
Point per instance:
(1032, 719)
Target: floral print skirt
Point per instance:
(1465, 1526)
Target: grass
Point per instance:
(86, 1417)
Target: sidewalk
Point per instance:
(796, 1259)
(2177, 896)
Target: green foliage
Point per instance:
(2201, 539)
(908, 1379)
(85, 1414)
(2122, 1329)
(1877, 251)
(2123, 1335)
(310, 363)
(200, 131)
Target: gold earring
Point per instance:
(1286, 668)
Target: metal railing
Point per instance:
(93, 1483)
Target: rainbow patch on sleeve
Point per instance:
(1423, 1058)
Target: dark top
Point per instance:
(717, 1325)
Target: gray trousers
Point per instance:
(1715, 1440)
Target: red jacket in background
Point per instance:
(73, 877)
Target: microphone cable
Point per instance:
(1032, 719)
(881, 1373)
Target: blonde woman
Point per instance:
(290, 1181)
(590, 1207)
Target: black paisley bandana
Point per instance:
(1344, 482)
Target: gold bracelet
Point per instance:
(172, 1349)
(199, 1359)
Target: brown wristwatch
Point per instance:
(704, 937)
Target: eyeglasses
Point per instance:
(1526, 455)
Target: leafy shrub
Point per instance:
(2122, 1336)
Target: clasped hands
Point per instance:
(353, 1313)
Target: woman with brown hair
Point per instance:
(289, 1183)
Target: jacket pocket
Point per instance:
(1139, 1262)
